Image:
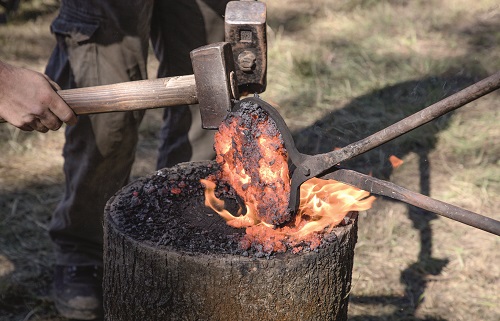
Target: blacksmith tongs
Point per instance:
(325, 165)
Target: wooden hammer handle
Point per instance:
(133, 95)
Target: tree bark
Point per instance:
(144, 282)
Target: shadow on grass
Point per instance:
(372, 112)
(26, 257)
(366, 115)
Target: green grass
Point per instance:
(374, 44)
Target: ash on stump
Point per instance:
(168, 257)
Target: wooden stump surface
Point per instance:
(147, 282)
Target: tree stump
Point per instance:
(145, 279)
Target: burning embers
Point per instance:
(254, 162)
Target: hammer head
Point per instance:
(223, 70)
(245, 30)
(216, 88)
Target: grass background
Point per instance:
(339, 71)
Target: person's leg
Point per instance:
(178, 27)
(96, 46)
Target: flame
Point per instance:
(325, 203)
(395, 162)
(253, 160)
(238, 221)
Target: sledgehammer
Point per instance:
(220, 70)
(213, 86)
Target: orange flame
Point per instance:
(323, 205)
(238, 221)
(253, 161)
(395, 162)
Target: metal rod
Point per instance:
(385, 188)
(418, 119)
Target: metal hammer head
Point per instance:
(216, 87)
(245, 29)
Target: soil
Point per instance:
(167, 209)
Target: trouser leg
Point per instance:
(178, 27)
(99, 150)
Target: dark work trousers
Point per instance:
(103, 42)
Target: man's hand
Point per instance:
(28, 100)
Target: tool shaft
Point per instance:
(418, 119)
(385, 188)
(133, 95)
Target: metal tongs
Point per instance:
(326, 165)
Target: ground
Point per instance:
(339, 71)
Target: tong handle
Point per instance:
(385, 188)
(411, 122)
